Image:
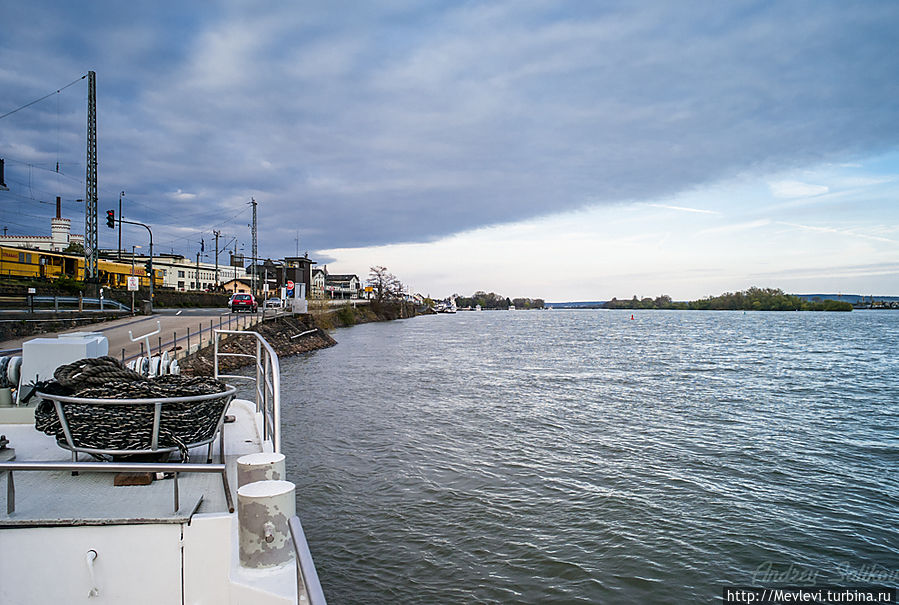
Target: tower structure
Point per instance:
(253, 260)
(216, 234)
(90, 182)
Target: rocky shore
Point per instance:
(291, 335)
(288, 335)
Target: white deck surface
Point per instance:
(58, 498)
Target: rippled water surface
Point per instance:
(582, 457)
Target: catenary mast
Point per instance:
(254, 246)
(90, 183)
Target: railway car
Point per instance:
(40, 264)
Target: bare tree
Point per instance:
(384, 284)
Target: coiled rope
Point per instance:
(129, 427)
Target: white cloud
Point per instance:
(684, 209)
(846, 232)
(182, 195)
(737, 227)
(790, 189)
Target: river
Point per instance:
(587, 457)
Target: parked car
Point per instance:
(245, 302)
(274, 303)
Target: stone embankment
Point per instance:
(291, 335)
(288, 335)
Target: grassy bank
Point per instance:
(350, 316)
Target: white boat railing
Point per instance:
(268, 381)
(306, 573)
(268, 403)
(114, 467)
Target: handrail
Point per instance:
(267, 382)
(84, 300)
(114, 467)
(305, 567)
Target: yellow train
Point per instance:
(38, 264)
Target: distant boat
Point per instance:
(511, 307)
(448, 306)
(477, 307)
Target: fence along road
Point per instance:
(186, 330)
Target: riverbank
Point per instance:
(292, 335)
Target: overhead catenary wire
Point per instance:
(72, 83)
(39, 167)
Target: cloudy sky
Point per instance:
(563, 150)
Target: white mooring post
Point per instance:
(260, 467)
(263, 511)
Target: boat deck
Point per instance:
(53, 498)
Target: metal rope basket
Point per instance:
(99, 407)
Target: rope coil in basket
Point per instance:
(129, 427)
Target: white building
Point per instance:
(182, 274)
(59, 239)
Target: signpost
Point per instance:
(133, 282)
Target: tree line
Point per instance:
(492, 300)
(753, 299)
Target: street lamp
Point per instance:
(198, 268)
(132, 273)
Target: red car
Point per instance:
(242, 301)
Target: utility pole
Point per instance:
(90, 183)
(121, 195)
(216, 234)
(253, 202)
(198, 270)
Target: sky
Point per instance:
(560, 150)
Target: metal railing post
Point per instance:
(258, 371)
(10, 494)
(267, 377)
(307, 576)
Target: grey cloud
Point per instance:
(384, 125)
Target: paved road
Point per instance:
(172, 323)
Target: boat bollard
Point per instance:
(263, 511)
(260, 467)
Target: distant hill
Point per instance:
(591, 304)
(850, 298)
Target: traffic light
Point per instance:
(110, 219)
(148, 266)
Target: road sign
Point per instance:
(289, 285)
(133, 283)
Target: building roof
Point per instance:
(239, 280)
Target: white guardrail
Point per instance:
(268, 403)
(268, 381)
